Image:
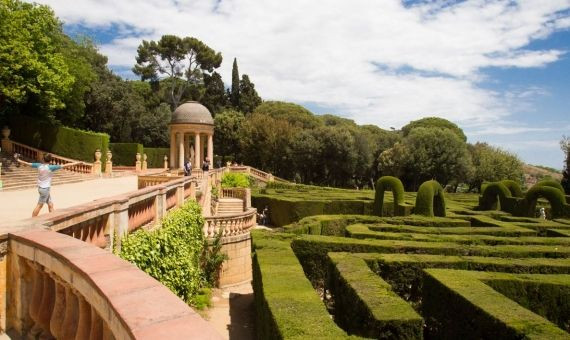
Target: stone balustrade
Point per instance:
(60, 287)
(230, 225)
(35, 154)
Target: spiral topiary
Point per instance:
(430, 200)
(388, 183)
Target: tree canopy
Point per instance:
(434, 122)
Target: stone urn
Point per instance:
(109, 155)
(6, 132)
(138, 157)
(144, 157)
(98, 156)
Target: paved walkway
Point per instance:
(231, 312)
(18, 205)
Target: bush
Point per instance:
(395, 185)
(60, 140)
(430, 200)
(235, 180)
(125, 153)
(489, 195)
(550, 183)
(513, 187)
(172, 253)
(155, 156)
(554, 196)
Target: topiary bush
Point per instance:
(430, 200)
(235, 180)
(488, 200)
(172, 254)
(388, 183)
(513, 187)
(554, 196)
(550, 183)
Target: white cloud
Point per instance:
(430, 54)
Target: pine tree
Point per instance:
(234, 98)
(249, 99)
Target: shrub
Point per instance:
(125, 153)
(514, 187)
(155, 156)
(60, 140)
(554, 196)
(489, 195)
(550, 183)
(235, 180)
(388, 183)
(430, 200)
(172, 253)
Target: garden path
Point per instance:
(231, 312)
(18, 204)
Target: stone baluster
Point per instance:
(144, 163)
(138, 165)
(47, 305)
(96, 329)
(71, 314)
(37, 292)
(56, 322)
(84, 322)
(165, 162)
(109, 163)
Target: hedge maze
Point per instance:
(473, 274)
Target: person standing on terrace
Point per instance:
(45, 173)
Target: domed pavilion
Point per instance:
(191, 129)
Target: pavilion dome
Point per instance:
(192, 112)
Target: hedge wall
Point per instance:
(155, 156)
(474, 310)
(59, 140)
(395, 185)
(124, 154)
(367, 305)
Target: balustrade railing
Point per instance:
(35, 154)
(230, 225)
(62, 288)
(142, 213)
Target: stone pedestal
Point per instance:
(165, 162)
(97, 164)
(138, 164)
(109, 163)
(144, 163)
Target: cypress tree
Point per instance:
(234, 97)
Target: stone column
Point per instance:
(186, 147)
(211, 150)
(180, 150)
(202, 150)
(197, 162)
(172, 150)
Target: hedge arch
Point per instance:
(493, 190)
(388, 183)
(554, 196)
(550, 183)
(430, 200)
(513, 187)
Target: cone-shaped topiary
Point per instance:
(513, 187)
(430, 200)
(388, 183)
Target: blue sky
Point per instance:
(499, 69)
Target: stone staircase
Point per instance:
(25, 177)
(229, 206)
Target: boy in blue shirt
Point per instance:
(45, 173)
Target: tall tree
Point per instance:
(228, 126)
(182, 60)
(234, 96)
(492, 164)
(214, 97)
(248, 97)
(565, 145)
(33, 72)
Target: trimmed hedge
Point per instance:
(286, 305)
(550, 183)
(395, 185)
(554, 196)
(474, 310)
(60, 140)
(155, 156)
(366, 304)
(430, 200)
(514, 187)
(125, 153)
